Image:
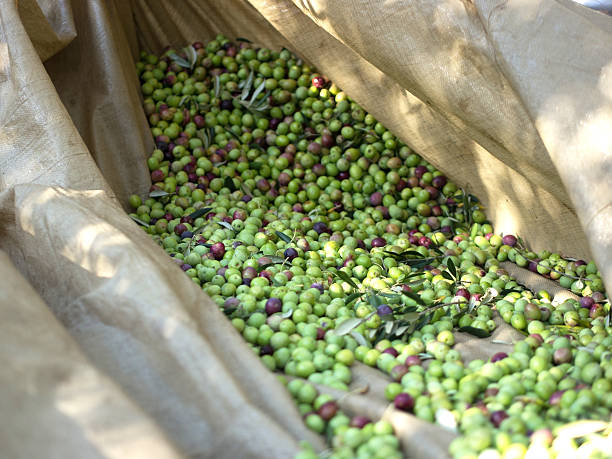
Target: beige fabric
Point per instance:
(136, 316)
(55, 399)
(512, 100)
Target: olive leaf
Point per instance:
(374, 300)
(345, 277)
(179, 60)
(490, 294)
(159, 194)
(200, 212)
(140, 222)
(287, 314)
(192, 56)
(472, 304)
(478, 332)
(352, 297)
(202, 134)
(217, 86)
(260, 88)
(283, 236)
(228, 182)
(247, 86)
(246, 40)
(359, 338)
(226, 225)
(348, 325)
(450, 265)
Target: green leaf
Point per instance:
(345, 277)
(390, 326)
(226, 225)
(183, 100)
(490, 294)
(140, 222)
(246, 40)
(283, 236)
(410, 316)
(229, 183)
(202, 134)
(424, 320)
(401, 330)
(247, 86)
(359, 338)
(448, 275)
(286, 315)
(418, 264)
(260, 88)
(352, 297)
(217, 86)
(159, 194)
(349, 324)
(478, 332)
(412, 253)
(390, 295)
(179, 60)
(192, 55)
(451, 267)
(200, 212)
(374, 300)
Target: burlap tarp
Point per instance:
(511, 99)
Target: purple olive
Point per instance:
(231, 304)
(376, 198)
(497, 417)
(186, 235)
(412, 360)
(318, 82)
(384, 310)
(249, 273)
(419, 171)
(498, 356)
(562, 355)
(586, 302)
(463, 292)
(328, 410)
(320, 227)
(398, 372)
(266, 349)
(404, 402)
(555, 398)
(318, 286)
(290, 253)
(180, 229)
(218, 250)
(360, 422)
(597, 310)
(391, 351)
(509, 239)
(273, 305)
(439, 181)
(185, 266)
(378, 242)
